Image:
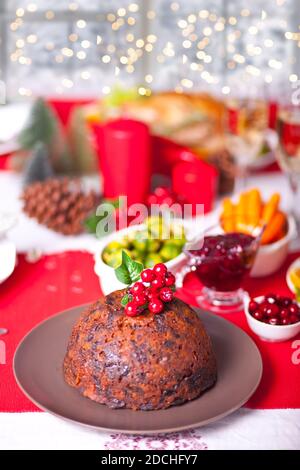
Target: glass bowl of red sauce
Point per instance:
(222, 261)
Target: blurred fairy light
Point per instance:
(133, 7)
(149, 78)
(204, 41)
(151, 14)
(31, 38)
(85, 44)
(225, 90)
(81, 24)
(66, 51)
(20, 12)
(31, 7)
(24, 91)
(85, 75)
(81, 55)
(73, 6)
(106, 59)
(66, 82)
(49, 15)
(293, 78)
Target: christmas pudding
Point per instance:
(146, 358)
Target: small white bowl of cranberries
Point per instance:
(273, 317)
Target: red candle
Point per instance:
(124, 149)
(197, 182)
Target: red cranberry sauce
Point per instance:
(223, 260)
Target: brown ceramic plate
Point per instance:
(38, 371)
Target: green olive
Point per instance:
(152, 259)
(169, 251)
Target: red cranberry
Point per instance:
(285, 321)
(272, 310)
(293, 309)
(285, 301)
(264, 306)
(147, 275)
(156, 306)
(166, 294)
(271, 298)
(294, 319)
(140, 299)
(258, 315)
(158, 282)
(160, 269)
(253, 306)
(137, 288)
(284, 313)
(132, 309)
(273, 321)
(169, 279)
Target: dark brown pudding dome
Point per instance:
(147, 362)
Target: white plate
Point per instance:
(8, 258)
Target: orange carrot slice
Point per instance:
(270, 208)
(241, 213)
(254, 208)
(273, 229)
(228, 215)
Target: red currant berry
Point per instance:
(158, 282)
(169, 279)
(160, 269)
(140, 299)
(293, 309)
(284, 313)
(273, 321)
(137, 288)
(166, 294)
(285, 321)
(294, 319)
(147, 275)
(132, 309)
(258, 315)
(151, 293)
(156, 306)
(253, 306)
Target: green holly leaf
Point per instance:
(129, 270)
(125, 299)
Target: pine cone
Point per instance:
(59, 204)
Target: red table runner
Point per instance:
(38, 290)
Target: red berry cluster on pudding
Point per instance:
(156, 287)
(275, 310)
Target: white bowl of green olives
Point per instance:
(149, 243)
